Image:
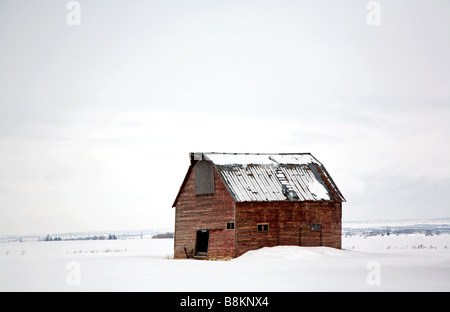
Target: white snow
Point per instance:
(293, 253)
(373, 263)
(318, 190)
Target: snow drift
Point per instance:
(294, 253)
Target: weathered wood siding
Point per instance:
(289, 224)
(210, 212)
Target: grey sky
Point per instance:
(96, 120)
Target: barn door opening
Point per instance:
(202, 243)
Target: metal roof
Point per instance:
(273, 177)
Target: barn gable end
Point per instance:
(198, 216)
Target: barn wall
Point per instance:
(289, 224)
(211, 212)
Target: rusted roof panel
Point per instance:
(275, 177)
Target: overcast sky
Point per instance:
(97, 119)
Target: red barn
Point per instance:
(232, 203)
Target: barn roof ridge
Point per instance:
(255, 158)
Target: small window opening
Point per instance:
(263, 227)
(230, 225)
(316, 227)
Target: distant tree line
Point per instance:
(163, 235)
(48, 238)
(395, 231)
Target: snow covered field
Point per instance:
(373, 263)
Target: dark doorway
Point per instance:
(201, 248)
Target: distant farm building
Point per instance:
(229, 204)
